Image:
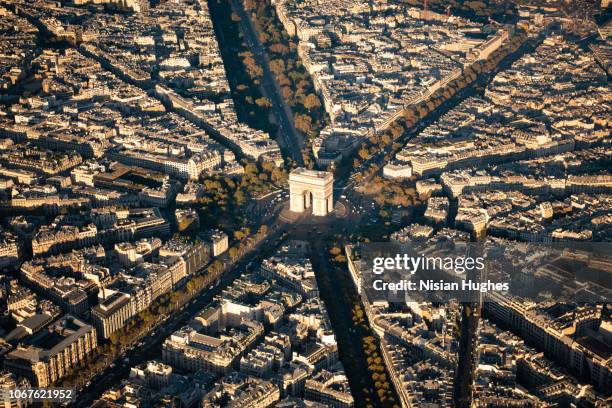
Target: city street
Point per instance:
(150, 347)
(282, 113)
(199, 202)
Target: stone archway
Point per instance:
(306, 186)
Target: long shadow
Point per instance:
(337, 291)
(241, 85)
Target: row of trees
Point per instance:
(382, 387)
(376, 367)
(388, 192)
(411, 116)
(242, 71)
(166, 304)
(245, 241)
(296, 85)
(376, 389)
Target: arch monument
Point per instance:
(314, 187)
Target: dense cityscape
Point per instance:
(192, 191)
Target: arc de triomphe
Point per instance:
(304, 184)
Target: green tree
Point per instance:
(312, 102)
(335, 251)
(263, 102)
(279, 49)
(277, 66)
(287, 93)
(239, 197)
(303, 123)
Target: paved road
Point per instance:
(314, 232)
(340, 312)
(150, 348)
(281, 110)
